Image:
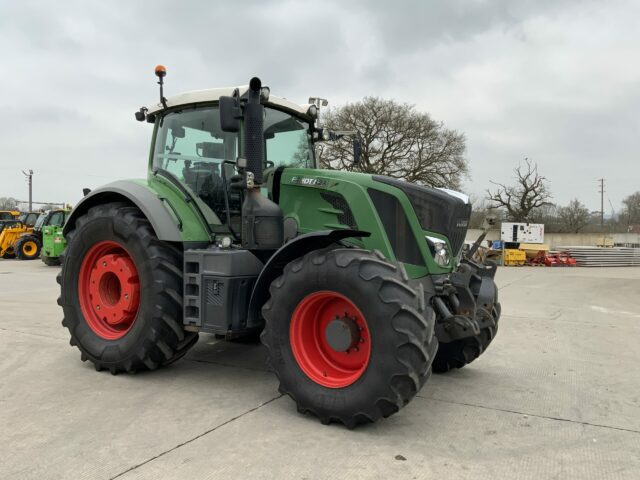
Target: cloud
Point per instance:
(552, 80)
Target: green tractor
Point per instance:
(29, 245)
(355, 281)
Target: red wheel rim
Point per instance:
(317, 358)
(109, 290)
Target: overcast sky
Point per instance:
(555, 81)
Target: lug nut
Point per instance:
(97, 307)
(104, 264)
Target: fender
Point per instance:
(146, 200)
(274, 267)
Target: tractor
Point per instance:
(12, 230)
(29, 245)
(355, 282)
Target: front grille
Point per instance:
(396, 226)
(436, 210)
(338, 202)
(458, 224)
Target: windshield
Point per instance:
(6, 216)
(193, 138)
(28, 219)
(40, 221)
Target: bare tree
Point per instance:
(574, 217)
(631, 210)
(397, 141)
(8, 203)
(523, 199)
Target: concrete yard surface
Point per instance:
(557, 395)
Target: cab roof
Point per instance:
(214, 94)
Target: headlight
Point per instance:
(440, 251)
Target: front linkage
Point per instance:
(468, 310)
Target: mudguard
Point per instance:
(295, 248)
(163, 223)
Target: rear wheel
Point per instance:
(461, 352)
(348, 338)
(121, 292)
(27, 247)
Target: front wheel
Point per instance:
(348, 338)
(27, 248)
(121, 291)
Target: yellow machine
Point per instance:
(11, 232)
(514, 257)
(9, 214)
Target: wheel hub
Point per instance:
(109, 290)
(113, 288)
(330, 339)
(342, 334)
(29, 248)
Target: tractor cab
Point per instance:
(8, 217)
(54, 218)
(29, 219)
(190, 145)
(202, 142)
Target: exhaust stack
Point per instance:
(253, 131)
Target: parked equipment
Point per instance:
(29, 245)
(13, 230)
(515, 232)
(53, 244)
(353, 279)
(514, 257)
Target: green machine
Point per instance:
(356, 282)
(53, 243)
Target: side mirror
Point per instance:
(230, 114)
(357, 150)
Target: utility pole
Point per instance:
(601, 180)
(30, 180)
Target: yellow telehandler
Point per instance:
(13, 229)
